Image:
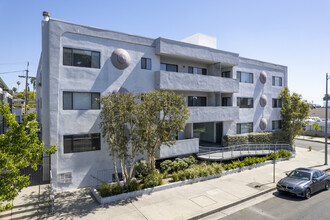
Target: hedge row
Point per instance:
(266, 137)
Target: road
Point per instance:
(315, 145)
(287, 207)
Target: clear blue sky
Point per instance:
(295, 33)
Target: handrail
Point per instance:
(250, 148)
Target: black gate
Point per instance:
(41, 175)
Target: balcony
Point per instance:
(213, 113)
(194, 82)
(179, 49)
(182, 147)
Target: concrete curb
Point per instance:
(312, 140)
(124, 196)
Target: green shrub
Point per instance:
(178, 164)
(182, 175)
(283, 153)
(249, 161)
(165, 175)
(190, 160)
(165, 166)
(141, 169)
(192, 173)
(235, 139)
(104, 190)
(175, 177)
(133, 185)
(203, 171)
(218, 168)
(210, 170)
(153, 179)
(115, 189)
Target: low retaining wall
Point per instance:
(124, 196)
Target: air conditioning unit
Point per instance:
(64, 177)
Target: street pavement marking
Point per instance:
(261, 212)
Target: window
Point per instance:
(196, 101)
(82, 143)
(277, 103)
(226, 101)
(146, 63)
(245, 102)
(245, 77)
(277, 125)
(80, 100)
(82, 58)
(277, 81)
(244, 128)
(196, 70)
(169, 67)
(225, 74)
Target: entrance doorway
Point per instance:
(219, 132)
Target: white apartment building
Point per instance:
(226, 93)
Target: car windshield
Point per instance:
(297, 174)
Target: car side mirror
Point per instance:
(314, 180)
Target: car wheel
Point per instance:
(307, 193)
(326, 186)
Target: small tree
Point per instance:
(20, 147)
(161, 115)
(294, 111)
(118, 126)
(316, 127)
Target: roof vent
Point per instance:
(46, 15)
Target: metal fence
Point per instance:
(240, 150)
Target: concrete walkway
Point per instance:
(187, 201)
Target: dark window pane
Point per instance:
(143, 63)
(190, 101)
(95, 59)
(82, 58)
(67, 56)
(171, 68)
(239, 76)
(67, 100)
(204, 71)
(67, 144)
(190, 69)
(95, 100)
(225, 74)
(81, 143)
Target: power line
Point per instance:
(17, 71)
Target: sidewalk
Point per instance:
(187, 201)
(310, 138)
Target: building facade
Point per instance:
(226, 93)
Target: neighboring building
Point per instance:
(5, 98)
(226, 93)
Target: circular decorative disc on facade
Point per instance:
(263, 77)
(263, 124)
(120, 90)
(120, 58)
(263, 100)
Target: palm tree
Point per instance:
(33, 82)
(18, 83)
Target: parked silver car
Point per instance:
(303, 182)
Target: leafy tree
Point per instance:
(294, 111)
(161, 115)
(20, 147)
(119, 128)
(316, 127)
(14, 90)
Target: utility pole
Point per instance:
(26, 85)
(326, 122)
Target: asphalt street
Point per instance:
(283, 206)
(315, 145)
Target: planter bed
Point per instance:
(124, 196)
